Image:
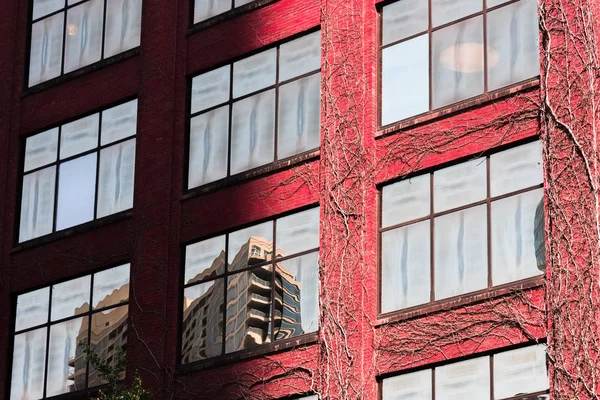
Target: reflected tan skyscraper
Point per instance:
(250, 302)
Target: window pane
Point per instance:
(205, 9)
(119, 122)
(250, 245)
(202, 326)
(513, 54)
(32, 309)
(45, 7)
(300, 56)
(123, 26)
(513, 237)
(405, 80)
(79, 136)
(460, 184)
(84, 35)
(516, 168)
(254, 73)
(37, 204)
(403, 19)
(76, 191)
(405, 200)
(29, 358)
(299, 116)
(209, 139)
(108, 333)
(45, 55)
(210, 89)
(111, 286)
(253, 132)
(116, 178)
(205, 259)
(414, 386)
(466, 380)
(71, 298)
(65, 372)
(242, 2)
(444, 11)
(298, 232)
(249, 309)
(41, 149)
(520, 371)
(297, 282)
(457, 61)
(405, 267)
(460, 252)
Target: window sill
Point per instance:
(467, 299)
(59, 80)
(264, 170)
(75, 230)
(246, 355)
(455, 108)
(224, 16)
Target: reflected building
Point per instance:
(108, 332)
(251, 300)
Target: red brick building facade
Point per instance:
(371, 327)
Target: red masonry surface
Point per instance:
(356, 347)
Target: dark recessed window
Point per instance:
(79, 171)
(432, 58)
(461, 229)
(69, 34)
(236, 296)
(514, 374)
(54, 325)
(253, 112)
(206, 9)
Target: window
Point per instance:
(461, 229)
(69, 34)
(253, 112)
(435, 57)
(514, 374)
(266, 300)
(52, 329)
(78, 171)
(206, 9)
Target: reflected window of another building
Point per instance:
(79, 171)
(251, 287)
(70, 34)
(517, 374)
(463, 228)
(256, 111)
(432, 58)
(55, 324)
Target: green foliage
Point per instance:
(113, 372)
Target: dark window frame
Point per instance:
(87, 391)
(274, 345)
(485, 96)
(64, 77)
(467, 298)
(490, 354)
(79, 227)
(194, 27)
(277, 164)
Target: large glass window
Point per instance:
(514, 374)
(253, 112)
(456, 50)
(69, 34)
(78, 171)
(206, 9)
(463, 228)
(56, 323)
(251, 287)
